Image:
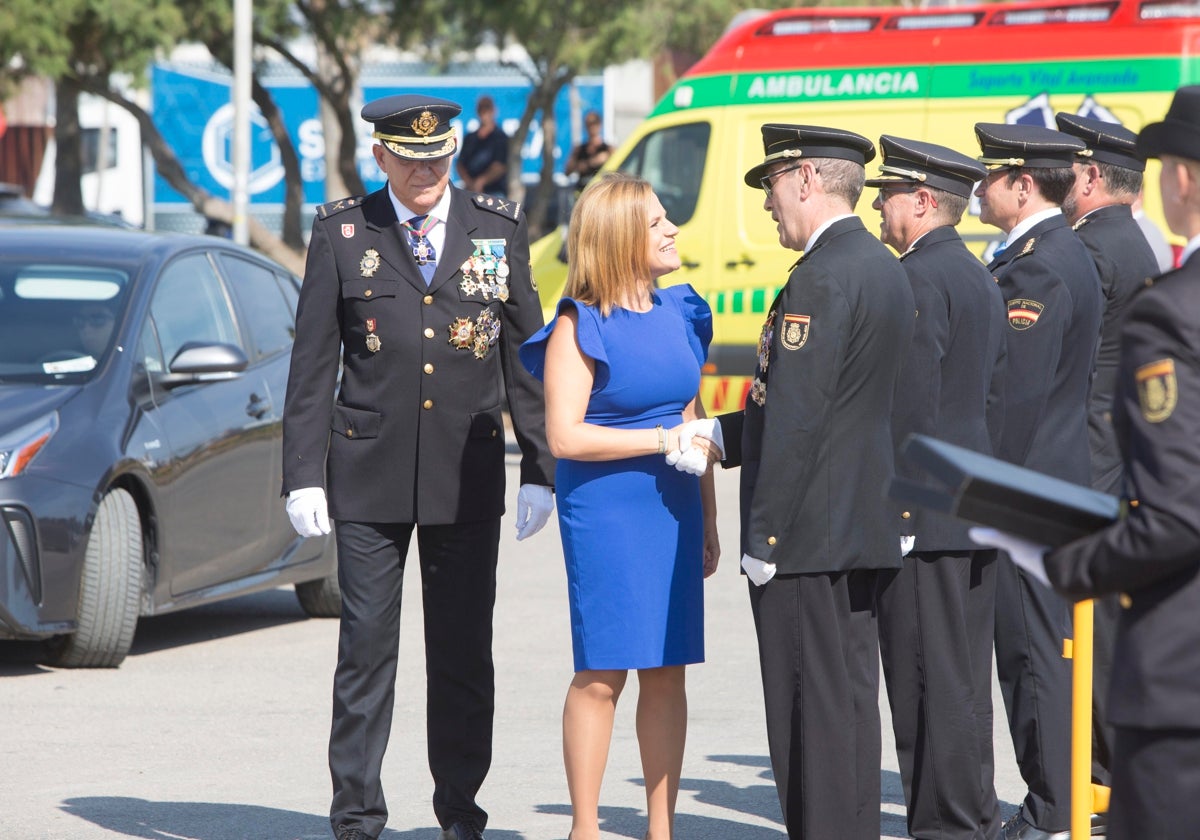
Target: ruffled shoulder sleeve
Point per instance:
(533, 351)
(696, 314)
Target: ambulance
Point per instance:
(927, 74)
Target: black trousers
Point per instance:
(935, 637)
(1035, 679)
(458, 580)
(818, 651)
(1155, 785)
(1105, 612)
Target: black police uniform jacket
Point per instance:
(1124, 260)
(951, 383)
(815, 441)
(1052, 294)
(1153, 553)
(415, 433)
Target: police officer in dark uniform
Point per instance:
(815, 447)
(1054, 307)
(1151, 556)
(1108, 178)
(936, 613)
(423, 293)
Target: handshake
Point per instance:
(700, 445)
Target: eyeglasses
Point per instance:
(767, 180)
(95, 320)
(887, 192)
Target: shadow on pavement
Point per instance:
(245, 614)
(150, 820)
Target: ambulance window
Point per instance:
(672, 160)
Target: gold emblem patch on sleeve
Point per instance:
(1157, 389)
(795, 331)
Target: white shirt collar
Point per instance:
(440, 211)
(1024, 226)
(812, 240)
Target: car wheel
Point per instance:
(110, 590)
(320, 598)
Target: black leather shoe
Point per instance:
(462, 831)
(1017, 827)
(346, 832)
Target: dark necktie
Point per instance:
(418, 228)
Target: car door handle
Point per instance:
(258, 407)
(746, 261)
(688, 264)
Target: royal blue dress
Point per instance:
(632, 529)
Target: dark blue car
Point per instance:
(142, 380)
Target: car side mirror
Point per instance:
(203, 362)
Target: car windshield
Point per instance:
(57, 320)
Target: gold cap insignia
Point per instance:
(425, 124)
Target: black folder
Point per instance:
(991, 492)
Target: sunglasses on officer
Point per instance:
(767, 180)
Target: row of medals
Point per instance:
(483, 274)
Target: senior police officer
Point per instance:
(936, 613)
(423, 293)
(815, 447)
(1054, 306)
(1152, 554)
(1108, 178)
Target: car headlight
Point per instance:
(21, 445)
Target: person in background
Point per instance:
(1150, 556)
(94, 323)
(421, 295)
(937, 612)
(638, 536)
(1054, 305)
(587, 157)
(483, 163)
(1108, 179)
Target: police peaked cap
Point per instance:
(1029, 146)
(912, 162)
(797, 142)
(1179, 132)
(413, 126)
(1107, 142)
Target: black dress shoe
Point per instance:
(346, 832)
(1017, 827)
(462, 831)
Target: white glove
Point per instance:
(906, 545)
(757, 570)
(308, 511)
(1028, 555)
(535, 503)
(690, 459)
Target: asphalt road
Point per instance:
(215, 727)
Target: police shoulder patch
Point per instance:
(324, 211)
(1158, 389)
(795, 331)
(1023, 313)
(499, 206)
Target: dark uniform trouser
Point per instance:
(1155, 784)
(818, 651)
(458, 578)
(1035, 679)
(1105, 612)
(934, 632)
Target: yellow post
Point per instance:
(1079, 651)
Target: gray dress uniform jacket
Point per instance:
(815, 440)
(415, 433)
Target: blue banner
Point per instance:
(194, 113)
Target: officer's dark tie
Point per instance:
(418, 228)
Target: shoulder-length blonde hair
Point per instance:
(608, 241)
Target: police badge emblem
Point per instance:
(369, 263)
(1024, 313)
(795, 331)
(1158, 389)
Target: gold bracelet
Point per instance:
(662, 440)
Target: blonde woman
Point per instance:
(621, 366)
